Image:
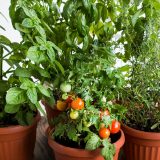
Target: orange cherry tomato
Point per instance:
(104, 133)
(115, 127)
(61, 105)
(104, 113)
(77, 104)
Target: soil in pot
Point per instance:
(140, 145)
(63, 152)
(17, 142)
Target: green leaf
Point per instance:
(104, 13)
(36, 55)
(28, 23)
(87, 4)
(72, 132)
(23, 72)
(43, 73)
(41, 31)
(51, 54)
(26, 84)
(59, 66)
(20, 28)
(39, 108)
(136, 16)
(125, 68)
(54, 46)
(4, 40)
(43, 90)
(30, 12)
(85, 43)
(108, 150)
(10, 108)
(32, 95)
(16, 96)
(93, 142)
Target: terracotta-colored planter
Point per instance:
(17, 142)
(141, 145)
(50, 111)
(66, 153)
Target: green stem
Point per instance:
(1, 63)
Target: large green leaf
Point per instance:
(23, 72)
(10, 108)
(15, 96)
(32, 95)
(43, 90)
(36, 55)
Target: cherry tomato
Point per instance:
(115, 127)
(77, 104)
(65, 87)
(74, 114)
(104, 133)
(104, 113)
(61, 105)
(69, 99)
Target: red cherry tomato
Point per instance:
(104, 113)
(104, 133)
(115, 127)
(77, 104)
(69, 99)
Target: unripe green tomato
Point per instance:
(65, 87)
(74, 114)
(87, 124)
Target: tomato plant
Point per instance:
(104, 133)
(77, 104)
(115, 127)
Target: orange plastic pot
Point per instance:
(141, 145)
(66, 153)
(17, 142)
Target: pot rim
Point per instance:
(18, 128)
(140, 134)
(81, 152)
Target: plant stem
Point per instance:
(1, 63)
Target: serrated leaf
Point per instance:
(72, 133)
(93, 142)
(32, 95)
(15, 96)
(108, 150)
(43, 90)
(9, 108)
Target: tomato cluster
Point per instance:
(112, 129)
(69, 101)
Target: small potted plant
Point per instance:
(141, 96)
(19, 105)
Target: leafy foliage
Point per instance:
(142, 95)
